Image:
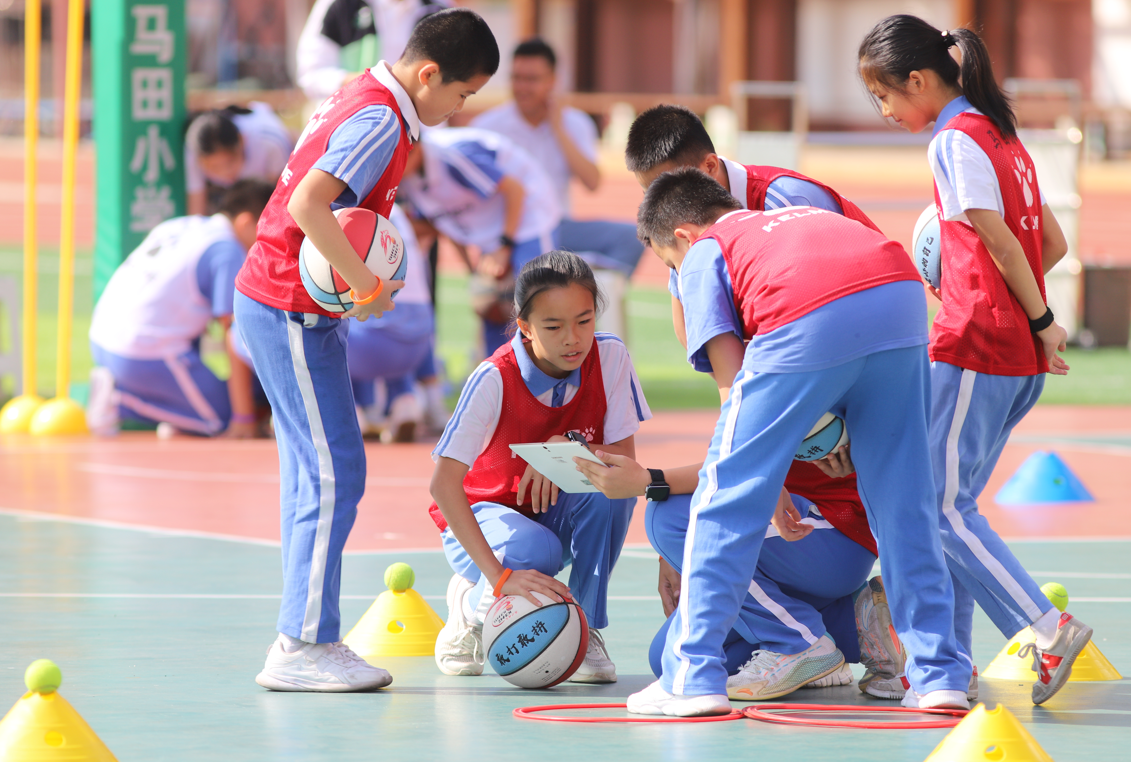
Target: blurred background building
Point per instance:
(643, 51)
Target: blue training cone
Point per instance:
(1043, 478)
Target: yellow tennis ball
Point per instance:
(43, 676)
(399, 577)
(1056, 594)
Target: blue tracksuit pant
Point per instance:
(585, 530)
(972, 415)
(884, 398)
(301, 362)
(800, 590)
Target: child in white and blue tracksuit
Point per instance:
(994, 337)
(837, 323)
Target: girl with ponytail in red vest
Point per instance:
(505, 529)
(994, 337)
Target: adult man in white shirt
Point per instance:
(564, 140)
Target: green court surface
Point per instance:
(160, 635)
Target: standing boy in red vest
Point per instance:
(668, 137)
(836, 322)
(351, 154)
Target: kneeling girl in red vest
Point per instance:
(506, 529)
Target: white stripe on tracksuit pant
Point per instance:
(883, 398)
(301, 361)
(972, 415)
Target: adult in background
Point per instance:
(564, 139)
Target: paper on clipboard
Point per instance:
(554, 460)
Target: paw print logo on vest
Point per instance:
(1024, 175)
(589, 433)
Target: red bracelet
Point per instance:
(502, 579)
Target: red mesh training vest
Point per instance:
(494, 476)
(758, 180)
(788, 262)
(981, 325)
(270, 272)
(837, 499)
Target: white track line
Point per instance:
(255, 596)
(167, 474)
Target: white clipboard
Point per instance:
(554, 460)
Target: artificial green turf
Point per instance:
(1098, 377)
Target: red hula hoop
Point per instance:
(761, 712)
(530, 713)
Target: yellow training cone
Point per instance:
(399, 623)
(43, 727)
(1090, 666)
(989, 735)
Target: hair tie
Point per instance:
(948, 39)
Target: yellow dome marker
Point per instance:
(1090, 666)
(42, 726)
(399, 623)
(989, 735)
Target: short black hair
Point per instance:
(665, 134)
(686, 195)
(458, 40)
(246, 196)
(214, 131)
(536, 47)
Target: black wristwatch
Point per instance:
(506, 240)
(658, 491)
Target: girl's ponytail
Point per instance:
(978, 83)
(901, 44)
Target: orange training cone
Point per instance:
(43, 727)
(399, 623)
(1090, 666)
(989, 735)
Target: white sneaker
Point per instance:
(322, 667)
(881, 653)
(102, 406)
(404, 416)
(656, 701)
(768, 675)
(842, 676)
(597, 667)
(897, 687)
(936, 700)
(459, 646)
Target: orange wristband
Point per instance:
(376, 293)
(502, 579)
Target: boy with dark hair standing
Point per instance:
(668, 137)
(351, 154)
(836, 320)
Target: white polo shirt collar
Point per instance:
(384, 75)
